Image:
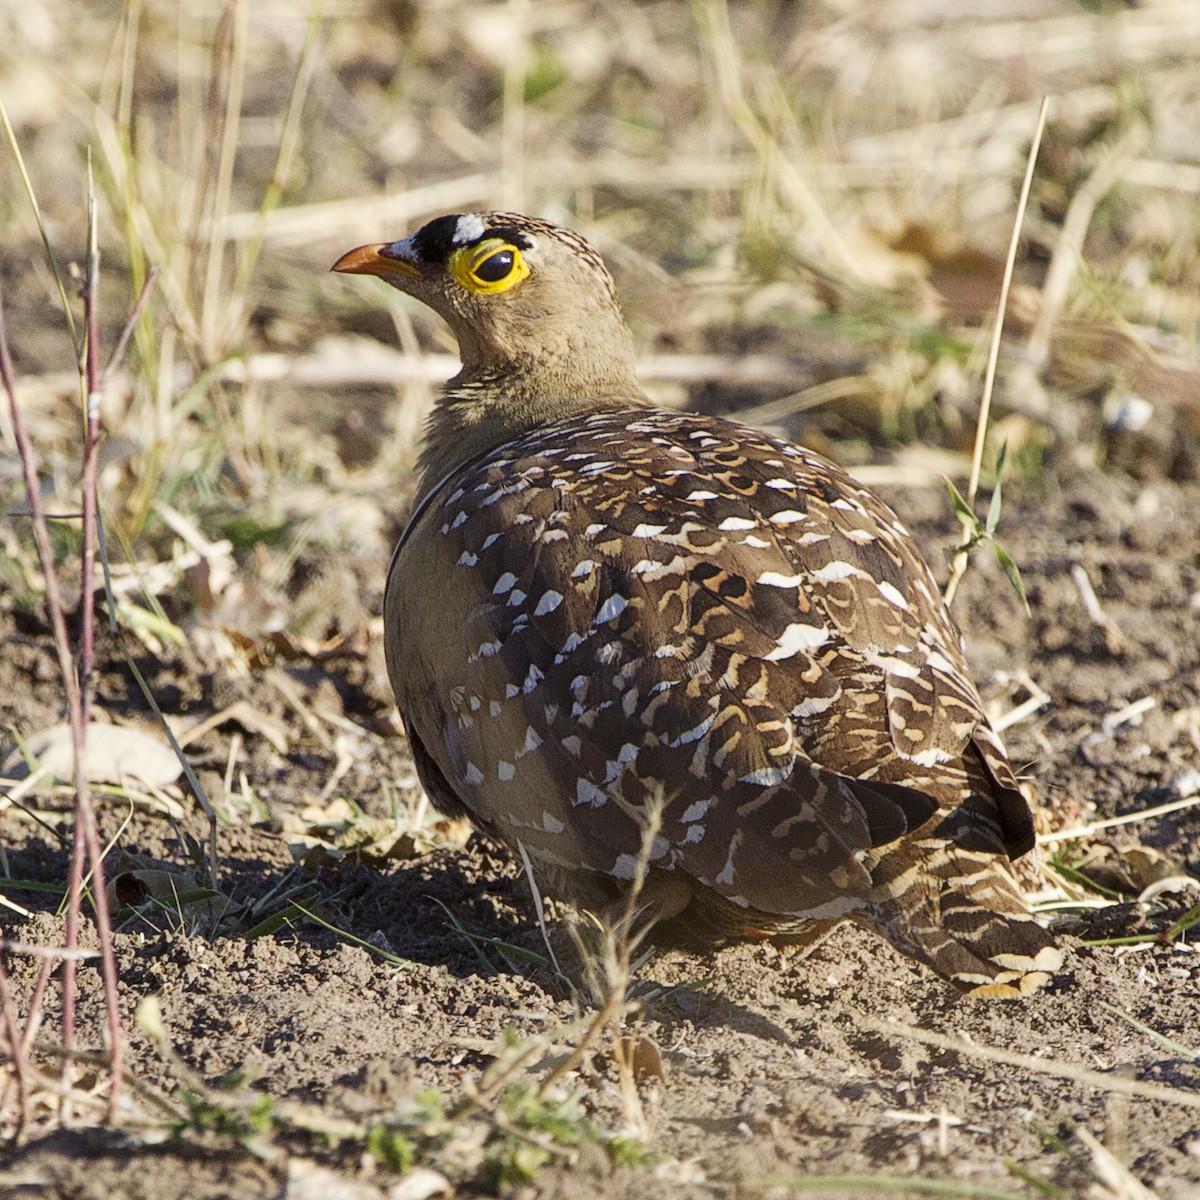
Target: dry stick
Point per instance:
(34, 1020)
(1041, 1066)
(85, 814)
(959, 567)
(41, 532)
(54, 605)
(16, 1051)
(1094, 827)
(135, 315)
(624, 941)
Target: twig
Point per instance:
(54, 953)
(87, 840)
(86, 844)
(1127, 714)
(1091, 829)
(118, 355)
(16, 1049)
(28, 455)
(34, 1020)
(959, 566)
(1114, 639)
(58, 623)
(1038, 699)
(1041, 1066)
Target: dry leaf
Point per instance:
(116, 754)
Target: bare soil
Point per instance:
(775, 1066)
(806, 207)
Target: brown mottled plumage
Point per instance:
(598, 603)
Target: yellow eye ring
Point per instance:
(489, 267)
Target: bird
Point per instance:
(653, 649)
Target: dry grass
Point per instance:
(806, 207)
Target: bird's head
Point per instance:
(520, 295)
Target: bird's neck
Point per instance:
(482, 409)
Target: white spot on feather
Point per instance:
(835, 570)
(787, 516)
(812, 706)
(612, 608)
(767, 776)
(486, 650)
(797, 637)
(930, 757)
(655, 570)
(695, 733)
(505, 771)
(725, 878)
(648, 531)
(473, 775)
(776, 579)
(734, 523)
(625, 867)
(586, 792)
(891, 594)
(504, 583)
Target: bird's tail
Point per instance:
(960, 912)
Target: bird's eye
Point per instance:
(495, 267)
(488, 267)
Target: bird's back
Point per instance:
(637, 607)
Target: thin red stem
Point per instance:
(85, 816)
(41, 533)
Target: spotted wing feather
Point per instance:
(645, 604)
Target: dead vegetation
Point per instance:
(807, 209)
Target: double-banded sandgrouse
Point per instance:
(600, 606)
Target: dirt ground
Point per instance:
(774, 1067)
(806, 209)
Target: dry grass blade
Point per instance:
(1094, 827)
(289, 146)
(31, 195)
(959, 565)
(883, 1185)
(1041, 1066)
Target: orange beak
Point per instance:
(371, 260)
